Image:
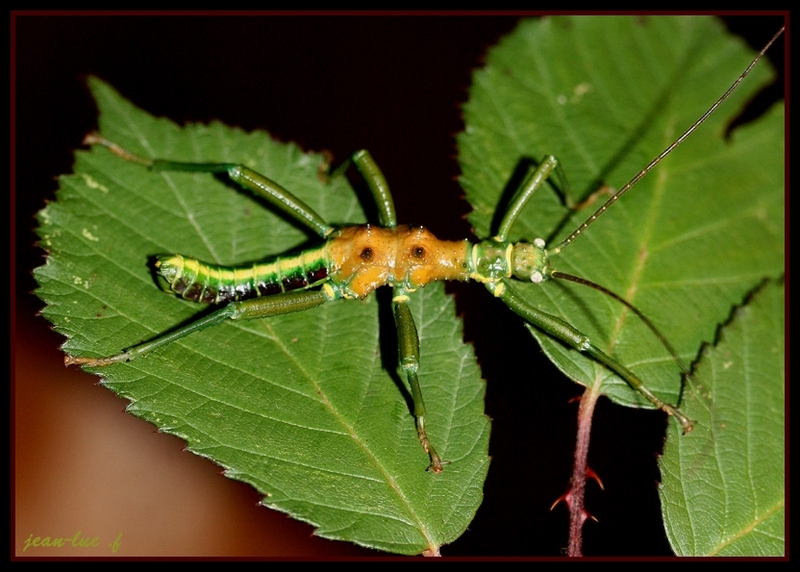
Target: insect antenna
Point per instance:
(578, 280)
(665, 152)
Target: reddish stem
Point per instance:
(577, 512)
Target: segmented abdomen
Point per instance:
(212, 284)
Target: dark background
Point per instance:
(392, 85)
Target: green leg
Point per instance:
(645, 320)
(408, 341)
(376, 182)
(258, 184)
(535, 179)
(561, 330)
(245, 310)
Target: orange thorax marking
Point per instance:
(363, 258)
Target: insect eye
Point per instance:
(418, 252)
(366, 254)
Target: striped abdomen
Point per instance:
(211, 284)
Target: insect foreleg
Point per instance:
(533, 180)
(408, 341)
(263, 307)
(561, 330)
(249, 179)
(650, 325)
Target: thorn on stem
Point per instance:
(567, 499)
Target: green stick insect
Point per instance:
(353, 261)
(302, 405)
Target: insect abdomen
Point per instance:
(212, 284)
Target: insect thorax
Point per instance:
(493, 260)
(366, 257)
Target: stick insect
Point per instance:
(285, 200)
(352, 261)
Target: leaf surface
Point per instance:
(687, 245)
(689, 241)
(723, 490)
(307, 407)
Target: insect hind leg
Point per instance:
(249, 179)
(263, 307)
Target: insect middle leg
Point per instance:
(408, 342)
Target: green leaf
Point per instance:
(605, 95)
(723, 490)
(307, 407)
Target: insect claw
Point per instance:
(437, 465)
(70, 360)
(686, 424)
(96, 362)
(94, 138)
